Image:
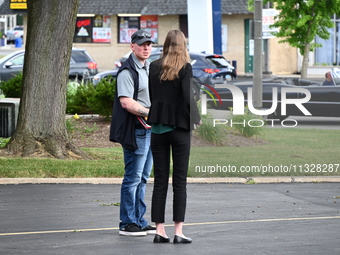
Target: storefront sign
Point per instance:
(18, 4)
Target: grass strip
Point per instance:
(291, 152)
(306, 152)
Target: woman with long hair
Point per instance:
(173, 115)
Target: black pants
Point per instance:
(178, 143)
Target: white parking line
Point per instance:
(187, 224)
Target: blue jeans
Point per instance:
(138, 164)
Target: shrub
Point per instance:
(4, 141)
(208, 132)
(78, 97)
(72, 88)
(101, 101)
(71, 125)
(12, 87)
(247, 130)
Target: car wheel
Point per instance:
(77, 79)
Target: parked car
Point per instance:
(324, 101)
(113, 73)
(207, 68)
(14, 34)
(210, 69)
(155, 49)
(103, 75)
(82, 65)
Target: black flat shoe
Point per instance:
(179, 239)
(160, 239)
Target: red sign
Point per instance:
(84, 23)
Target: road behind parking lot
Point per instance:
(294, 218)
(304, 122)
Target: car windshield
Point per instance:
(9, 56)
(154, 57)
(80, 57)
(218, 61)
(18, 61)
(336, 76)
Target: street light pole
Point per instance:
(257, 78)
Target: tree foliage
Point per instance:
(300, 21)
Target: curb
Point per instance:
(245, 180)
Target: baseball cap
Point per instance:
(140, 37)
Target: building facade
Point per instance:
(104, 28)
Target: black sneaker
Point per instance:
(149, 230)
(132, 230)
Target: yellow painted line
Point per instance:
(187, 224)
(57, 231)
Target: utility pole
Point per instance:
(257, 78)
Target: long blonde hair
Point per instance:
(175, 55)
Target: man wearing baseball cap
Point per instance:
(132, 101)
(140, 37)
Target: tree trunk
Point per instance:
(305, 61)
(306, 51)
(41, 129)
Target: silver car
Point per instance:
(14, 34)
(82, 65)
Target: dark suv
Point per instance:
(82, 65)
(154, 50)
(208, 68)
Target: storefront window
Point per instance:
(150, 23)
(129, 25)
(96, 29)
(329, 52)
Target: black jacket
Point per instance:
(123, 122)
(172, 102)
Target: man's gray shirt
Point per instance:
(125, 83)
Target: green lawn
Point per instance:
(290, 152)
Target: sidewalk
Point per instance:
(238, 180)
(11, 47)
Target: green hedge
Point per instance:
(81, 98)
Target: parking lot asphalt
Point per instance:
(221, 218)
